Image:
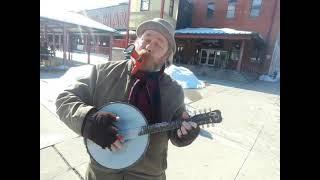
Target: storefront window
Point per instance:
(256, 58)
(211, 58)
(235, 51)
(235, 55)
(203, 57)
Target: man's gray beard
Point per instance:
(153, 67)
(156, 68)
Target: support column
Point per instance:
(128, 25)
(241, 55)
(162, 7)
(98, 44)
(54, 41)
(59, 41)
(88, 47)
(110, 47)
(46, 34)
(64, 43)
(69, 45)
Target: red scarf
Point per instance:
(145, 95)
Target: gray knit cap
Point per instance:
(162, 26)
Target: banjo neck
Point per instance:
(200, 119)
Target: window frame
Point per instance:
(213, 10)
(234, 3)
(141, 5)
(251, 8)
(171, 7)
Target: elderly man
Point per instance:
(147, 87)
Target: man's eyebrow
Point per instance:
(160, 39)
(149, 34)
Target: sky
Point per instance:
(76, 5)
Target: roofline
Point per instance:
(124, 3)
(112, 32)
(210, 36)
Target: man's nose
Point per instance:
(149, 47)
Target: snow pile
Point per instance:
(61, 67)
(74, 74)
(269, 78)
(67, 80)
(184, 77)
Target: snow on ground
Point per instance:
(184, 77)
(269, 79)
(50, 87)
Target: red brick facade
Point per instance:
(267, 23)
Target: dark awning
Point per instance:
(216, 33)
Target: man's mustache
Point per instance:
(145, 54)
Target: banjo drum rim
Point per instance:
(145, 149)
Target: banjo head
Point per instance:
(132, 150)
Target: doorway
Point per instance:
(214, 58)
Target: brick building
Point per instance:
(117, 17)
(256, 16)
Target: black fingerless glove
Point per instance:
(185, 139)
(99, 127)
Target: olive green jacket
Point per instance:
(112, 82)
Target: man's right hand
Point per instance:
(100, 129)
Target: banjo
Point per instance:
(134, 128)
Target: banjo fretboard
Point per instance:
(201, 119)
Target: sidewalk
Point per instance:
(245, 146)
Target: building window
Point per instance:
(231, 12)
(171, 8)
(145, 5)
(210, 10)
(255, 8)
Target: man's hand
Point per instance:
(186, 127)
(99, 128)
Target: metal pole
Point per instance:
(162, 7)
(59, 41)
(241, 56)
(128, 24)
(46, 34)
(54, 41)
(64, 43)
(88, 47)
(69, 46)
(110, 47)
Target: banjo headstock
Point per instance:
(207, 117)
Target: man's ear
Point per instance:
(167, 57)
